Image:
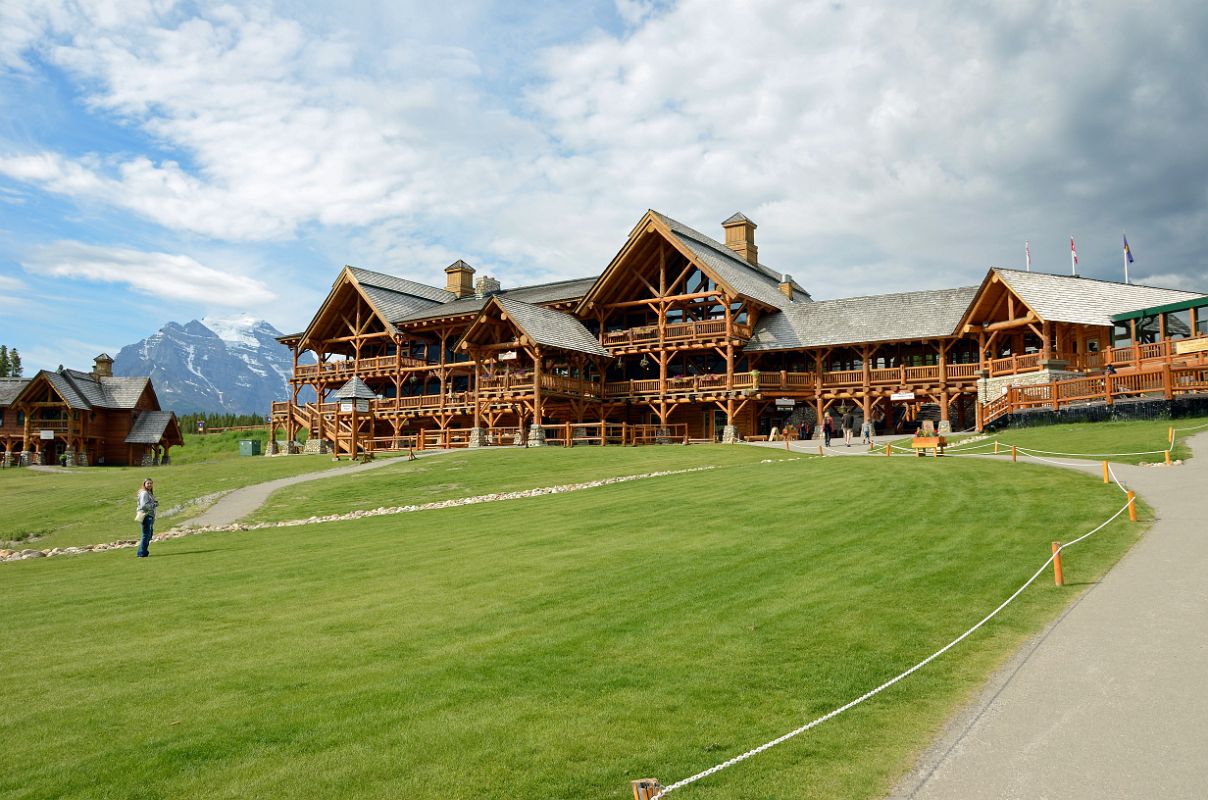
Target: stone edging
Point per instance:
(186, 530)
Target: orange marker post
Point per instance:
(645, 788)
(995, 447)
(1168, 458)
(1132, 506)
(887, 448)
(1013, 459)
(1106, 474)
(820, 451)
(1058, 575)
(786, 441)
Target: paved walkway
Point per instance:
(1112, 700)
(238, 504)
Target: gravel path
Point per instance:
(1109, 702)
(238, 504)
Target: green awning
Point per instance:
(1199, 302)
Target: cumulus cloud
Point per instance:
(879, 147)
(162, 275)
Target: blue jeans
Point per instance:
(148, 527)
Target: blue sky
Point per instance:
(164, 161)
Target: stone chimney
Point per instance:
(104, 366)
(459, 278)
(740, 237)
(786, 285)
(486, 286)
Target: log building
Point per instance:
(683, 337)
(76, 418)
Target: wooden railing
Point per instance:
(676, 332)
(1162, 380)
(366, 366)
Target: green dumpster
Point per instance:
(249, 447)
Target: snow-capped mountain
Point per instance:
(216, 365)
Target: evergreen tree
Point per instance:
(4, 364)
(14, 363)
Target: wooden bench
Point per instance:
(935, 444)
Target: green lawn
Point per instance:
(466, 474)
(553, 647)
(96, 504)
(1103, 437)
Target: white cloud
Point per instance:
(10, 284)
(162, 275)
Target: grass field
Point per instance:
(553, 647)
(96, 504)
(1104, 437)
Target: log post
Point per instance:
(1058, 575)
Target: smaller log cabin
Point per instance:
(79, 418)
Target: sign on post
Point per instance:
(902, 396)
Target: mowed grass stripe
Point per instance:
(552, 647)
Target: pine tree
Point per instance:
(14, 363)
(4, 364)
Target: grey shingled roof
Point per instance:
(149, 427)
(880, 318)
(66, 388)
(753, 280)
(10, 388)
(552, 328)
(396, 297)
(355, 389)
(1086, 301)
(123, 391)
(535, 295)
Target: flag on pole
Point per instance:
(1027, 254)
(1128, 259)
(1073, 257)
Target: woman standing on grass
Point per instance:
(146, 508)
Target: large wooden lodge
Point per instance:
(683, 337)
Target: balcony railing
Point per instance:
(378, 365)
(704, 330)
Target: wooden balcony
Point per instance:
(675, 335)
(379, 366)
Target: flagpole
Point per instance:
(1073, 257)
(1027, 254)
(1126, 254)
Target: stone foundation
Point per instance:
(944, 427)
(729, 435)
(478, 437)
(148, 460)
(69, 458)
(270, 447)
(536, 437)
(6, 459)
(316, 445)
(82, 458)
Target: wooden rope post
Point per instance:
(820, 451)
(887, 448)
(1013, 457)
(786, 442)
(995, 447)
(1058, 575)
(645, 788)
(1105, 473)
(1132, 506)
(1168, 458)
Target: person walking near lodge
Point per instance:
(849, 423)
(145, 515)
(866, 431)
(828, 429)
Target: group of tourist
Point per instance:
(846, 425)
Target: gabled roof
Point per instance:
(10, 388)
(83, 391)
(904, 316)
(754, 280)
(543, 326)
(538, 293)
(152, 427)
(396, 297)
(1086, 301)
(355, 389)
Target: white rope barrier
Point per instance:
(900, 676)
(1192, 428)
(1021, 449)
